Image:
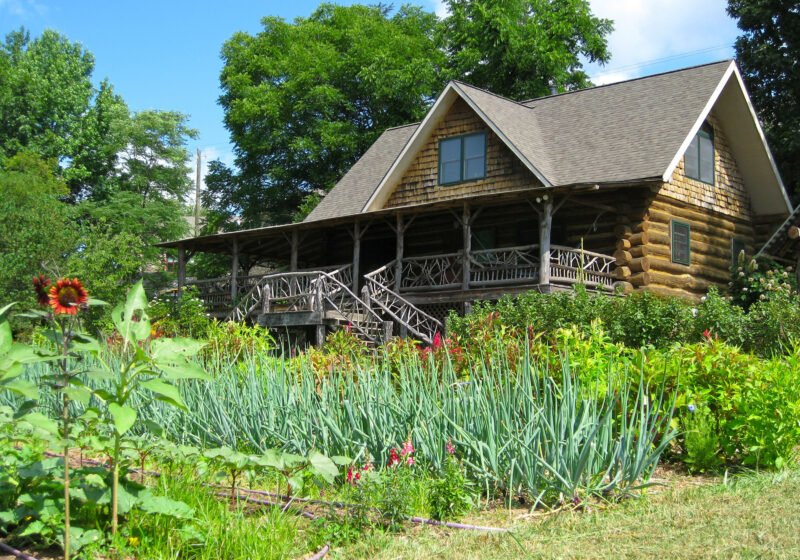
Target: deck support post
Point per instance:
(234, 271)
(320, 335)
(181, 271)
(545, 228)
(294, 246)
(398, 267)
(466, 232)
(356, 254)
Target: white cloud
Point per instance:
(22, 8)
(646, 32)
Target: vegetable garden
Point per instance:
(147, 446)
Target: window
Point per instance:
(462, 158)
(737, 246)
(681, 246)
(699, 159)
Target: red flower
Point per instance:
(437, 341)
(67, 295)
(352, 475)
(394, 458)
(40, 284)
(707, 334)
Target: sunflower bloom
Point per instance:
(40, 284)
(67, 295)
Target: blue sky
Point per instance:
(165, 55)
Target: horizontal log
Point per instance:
(640, 279)
(662, 291)
(794, 232)
(641, 227)
(642, 238)
(695, 270)
(626, 287)
(623, 244)
(680, 281)
(622, 258)
(697, 258)
(622, 231)
(622, 272)
(639, 265)
(639, 251)
(717, 246)
(663, 213)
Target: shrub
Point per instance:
(180, 317)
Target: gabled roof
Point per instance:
(626, 132)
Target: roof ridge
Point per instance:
(484, 90)
(526, 101)
(402, 126)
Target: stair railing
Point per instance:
(402, 311)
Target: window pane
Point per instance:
(450, 150)
(474, 146)
(706, 159)
(474, 168)
(680, 243)
(691, 164)
(451, 172)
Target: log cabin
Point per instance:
(655, 183)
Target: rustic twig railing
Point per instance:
(434, 271)
(508, 265)
(402, 311)
(576, 266)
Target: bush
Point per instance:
(179, 317)
(755, 280)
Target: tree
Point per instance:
(516, 47)
(34, 222)
(304, 100)
(768, 53)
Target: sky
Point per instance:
(165, 54)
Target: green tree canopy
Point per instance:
(515, 48)
(34, 222)
(768, 53)
(303, 100)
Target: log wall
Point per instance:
(504, 171)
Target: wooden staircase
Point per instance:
(323, 298)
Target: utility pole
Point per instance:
(197, 197)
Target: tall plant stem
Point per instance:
(65, 426)
(115, 485)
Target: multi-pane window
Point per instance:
(681, 243)
(462, 158)
(699, 158)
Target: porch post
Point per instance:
(181, 270)
(545, 227)
(398, 267)
(293, 256)
(466, 231)
(356, 254)
(234, 271)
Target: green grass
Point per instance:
(752, 516)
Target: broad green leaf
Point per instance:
(21, 387)
(184, 371)
(6, 339)
(166, 390)
(323, 466)
(99, 374)
(96, 302)
(124, 417)
(161, 505)
(341, 461)
(175, 350)
(79, 394)
(6, 308)
(39, 420)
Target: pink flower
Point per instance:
(410, 460)
(707, 334)
(408, 448)
(451, 449)
(394, 459)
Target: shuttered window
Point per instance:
(699, 158)
(462, 158)
(681, 242)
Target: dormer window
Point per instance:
(462, 158)
(699, 159)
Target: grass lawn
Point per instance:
(750, 516)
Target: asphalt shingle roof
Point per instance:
(619, 132)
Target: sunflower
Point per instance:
(67, 295)
(40, 284)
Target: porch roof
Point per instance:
(253, 238)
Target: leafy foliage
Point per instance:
(517, 48)
(767, 52)
(321, 91)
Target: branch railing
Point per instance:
(284, 291)
(577, 266)
(434, 271)
(507, 265)
(407, 315)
